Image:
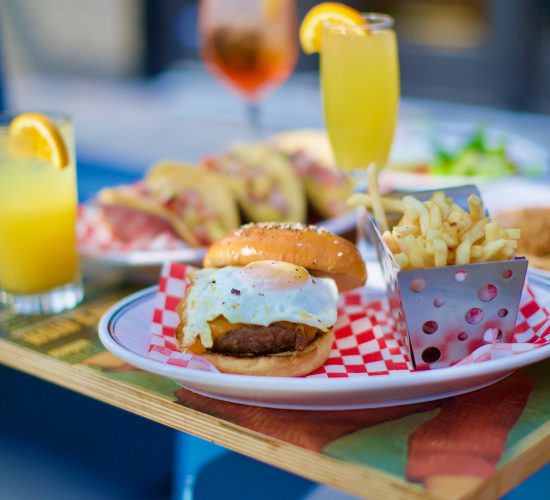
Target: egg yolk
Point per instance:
(274, 275)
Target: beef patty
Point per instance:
(255, 339)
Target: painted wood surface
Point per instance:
(477, 445)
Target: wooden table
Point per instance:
(472, 446)
(478, 445)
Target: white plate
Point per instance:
(148, 258)
(124, 330)
(540, 277)
(414, 145)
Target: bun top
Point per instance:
(319, 251)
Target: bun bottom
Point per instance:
(294, 364)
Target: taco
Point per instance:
(264, 182)
(311, 157)
(197, 205)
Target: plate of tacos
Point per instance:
(178, 209)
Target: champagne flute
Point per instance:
(360, 89)
(250, 45)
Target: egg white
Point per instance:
(230, 292)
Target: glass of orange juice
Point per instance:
(39, 268)
(360, 89)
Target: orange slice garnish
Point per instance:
(311, 29)
(36, 135)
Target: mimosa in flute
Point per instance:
(360, 88)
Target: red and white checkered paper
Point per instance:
(366, 341)
(95, 236)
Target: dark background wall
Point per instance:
(493, 52)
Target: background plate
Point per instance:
(155, 258)
(415, 144)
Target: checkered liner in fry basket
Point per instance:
(367, 342)
(444, 314)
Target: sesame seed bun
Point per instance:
(319, 251)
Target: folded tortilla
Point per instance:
(311, 157)
(264, 182)
(197, 205)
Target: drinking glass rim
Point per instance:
(374, 22)
(59, 117)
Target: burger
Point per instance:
(265, 302)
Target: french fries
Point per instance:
(438, 232)
(440, 253)
(377, 208)
(365, 200)
(391, 242)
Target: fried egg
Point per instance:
(260, 293)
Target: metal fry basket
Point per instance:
(445, 313)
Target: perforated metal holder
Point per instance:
(445, 313)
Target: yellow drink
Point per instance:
(38, 204)
(360, 87)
